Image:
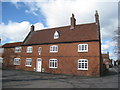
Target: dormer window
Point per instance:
(56, 35)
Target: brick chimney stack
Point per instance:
(73, 22)
(32, 28)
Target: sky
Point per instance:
(18, 15)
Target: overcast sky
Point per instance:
(18, 15)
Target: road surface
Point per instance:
(27, 79)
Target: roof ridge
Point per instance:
(65, 26)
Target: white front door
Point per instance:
(39, 65)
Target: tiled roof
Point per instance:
(12, 44)
(82, 32)
(105, 56)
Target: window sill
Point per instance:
(28, 65)
(16, 64)
(53, 67)
(53, 52)
(82, 51)
(83, 69)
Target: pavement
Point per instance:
(28, 79)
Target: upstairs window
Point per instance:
(56, 35)
(53, 63)
(83, 48)
(39, 50)
(29, 49)
(28, 62)
(54, 48)
(82, 64)
(16, 61)
(18, 49)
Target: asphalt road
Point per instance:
(26, 79)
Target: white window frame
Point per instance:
(54, 48)
(52, 63)
(81, 48)
(17, 61)
(39, 50)
(29, 65)
(29, 49)
(82, 62)
(56, 35)
(18, 49)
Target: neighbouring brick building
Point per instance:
(106, 60)
(1, 52)
(73, 49)
(9, 54)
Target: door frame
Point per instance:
(37, 60)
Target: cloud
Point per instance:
(110, 46)
(105, 47)
(15, 31)
(113, 56)
(58, 13)
(111, 43)
(108, 30)
(15, 2)
(31, 8)
(39, 26)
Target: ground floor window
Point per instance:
(82, 64)
(28, 62)
(16, 61)
(53, 63)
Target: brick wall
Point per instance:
(67, 56)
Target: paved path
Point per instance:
(25, 79)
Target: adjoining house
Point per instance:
(107, 61)
(73, 49)
(10, 53)
(1, 52)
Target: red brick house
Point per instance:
(73, 49)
